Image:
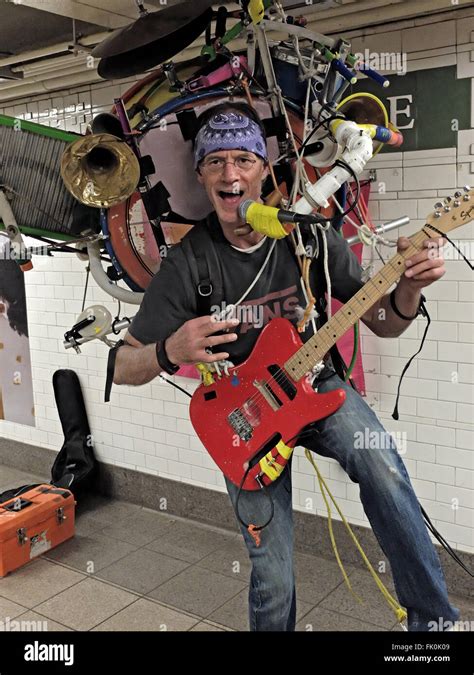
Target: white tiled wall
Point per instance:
(148, 428)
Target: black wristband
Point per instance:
(163, 360)
(397, 311)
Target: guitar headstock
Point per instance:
(454, 212)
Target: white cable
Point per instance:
(251, 249)
(377, 238)
(225, 364)
(326, 272)
(230, 308)
(280, 10)
(313, 320)
(259, 273)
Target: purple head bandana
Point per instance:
(229, 131)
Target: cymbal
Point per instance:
(139, 60)
(151, 28)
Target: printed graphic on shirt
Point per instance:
(276, 304)
(255, 314)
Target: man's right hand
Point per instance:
(188, 344)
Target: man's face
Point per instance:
(230, 185)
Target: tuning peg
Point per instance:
(438, 205)
(458, 194)
(446, 209)
(448, 200)
(457, 203)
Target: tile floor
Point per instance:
(130, 568)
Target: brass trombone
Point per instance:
(100, 169)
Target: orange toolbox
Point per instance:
(33, 523)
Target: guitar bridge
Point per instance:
(240, 424)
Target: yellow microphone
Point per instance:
(273, 222)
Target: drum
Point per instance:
(135, 249)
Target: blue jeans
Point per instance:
(389, 502)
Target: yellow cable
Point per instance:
(323, 488)
(256, 10)
(400, 613)
(206, 375)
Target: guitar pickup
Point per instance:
(268, 394)
(283, 381)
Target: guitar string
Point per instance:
(281, 374)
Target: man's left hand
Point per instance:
(425, 266)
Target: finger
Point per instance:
(214, 326)
(212, 358)
(403, 243)
(425, 265)
(437, 242)
(421, 257)
(434, 247)
(430, 275)
(214, 340)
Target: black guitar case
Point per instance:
(75, 464)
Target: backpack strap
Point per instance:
(209, 284)
(209, 281)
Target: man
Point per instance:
(231, 163)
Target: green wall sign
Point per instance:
(428, 106)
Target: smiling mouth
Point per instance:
(230, 197)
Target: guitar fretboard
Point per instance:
(316, 347)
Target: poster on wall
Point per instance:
(16, 386)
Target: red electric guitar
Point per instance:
(249, 420)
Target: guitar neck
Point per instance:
(316, 347)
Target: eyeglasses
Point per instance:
(217, 164)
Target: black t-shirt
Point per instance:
(170, 299)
